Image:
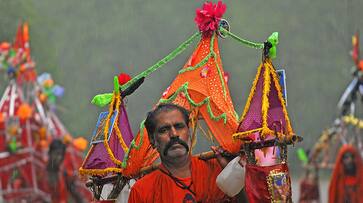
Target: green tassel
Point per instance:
(102, 100)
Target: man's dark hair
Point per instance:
(150, 122)
(57, 144)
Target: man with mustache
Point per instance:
(181, 177)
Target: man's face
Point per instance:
(169, 125)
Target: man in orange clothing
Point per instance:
(181, 177)
(346, 184)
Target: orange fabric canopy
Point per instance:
(200, 86)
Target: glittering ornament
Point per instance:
(204, 72)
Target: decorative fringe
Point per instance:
(241, 135)
(198, 65)
(184, 89)
(99, 172)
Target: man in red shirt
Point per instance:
(181, 177)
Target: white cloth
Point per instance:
(124, 194)
(231, 180)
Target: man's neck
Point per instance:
(179, 167)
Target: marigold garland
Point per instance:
(105, 132)
(353, 120)
(265, 102)
(100, 172)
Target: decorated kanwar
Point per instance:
(159, 160)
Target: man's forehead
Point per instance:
(172, 112)
(172, 116)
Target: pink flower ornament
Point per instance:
(207, 18)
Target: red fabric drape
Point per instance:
(257, 187)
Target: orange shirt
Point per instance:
(158, 186)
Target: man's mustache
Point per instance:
(173, 141)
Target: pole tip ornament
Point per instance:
(270, 46)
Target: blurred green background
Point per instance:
(83, 44)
